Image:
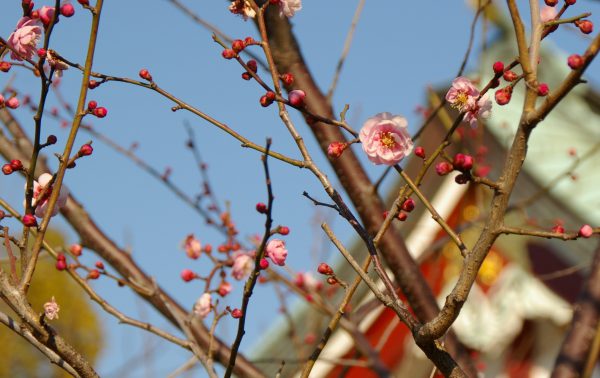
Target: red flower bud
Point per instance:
(5, 66)
(420, 152)
(16, 165)
(252, 65)
(61, 265)
(402, 216)
(503, 95)
(93, 84)
(586, 26)
(93, 275)
(575, 61)
(509, 75)
(7, 169)
(498, 67)
(271, 96)
(335, 149)
(325, 269)
(408, 205)
(187, 275)
(283, 230)
(237, 45)
(75, 249)
(586, 231)
(263, 263)
(100, 112)
(92, 105)
(236, 313)
(551, 3)
(228, 54)
(99, 265)
(264, 101)
(246, 76)
(86, 150)
(296, 98)
(288, 79)
(145, 74)
(51, 139)
(67, 10)
(543, 89)
(29, 220)
(443, 168)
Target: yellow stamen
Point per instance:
(387, 139)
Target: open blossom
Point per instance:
(276, 251)
(192, 246)
(385, 138)
(51, 309)
(289, 7)
(203, 305)
(463, 95)
(243, 265)
(25, 38)
(243, 8)
(42, 203)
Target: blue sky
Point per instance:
(399, 49)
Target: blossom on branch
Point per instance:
(243, 265)
(42, 203)
(243, 8)
(464, 97)
(203, 305)
(24, 39)
(51, 309)
(276, 251)
(192, 246)
(385, 139)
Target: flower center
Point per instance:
(387, 140)
(461, 101)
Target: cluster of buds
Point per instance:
(98, 111)
(267, 99)
(14, 166)
(253, 66)
(237, 46)
(12, 102)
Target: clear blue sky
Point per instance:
(399, 49)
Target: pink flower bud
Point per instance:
(261, 208)
(12, 103)
(503, 95)
(408, 205)
(575, 61)
(93, 275)
(236, 313)
(443, 168)
(224, 288)
(420, 152)
(543, 89)
(252, 65)
(61, 265)
(335, 149)
(325, 269)
(263, 263)
(586, 26)
(296, 98)
(585, 231)
(100, 112)
(402, 216)
(99, 265)
(288, 79)
(76, 249)
(29, 220)
(67, 10)
(187, 275)
(86, 150)
(145, 74)
(509, 75)
(498, 67)
(276, 251)
(559, 229)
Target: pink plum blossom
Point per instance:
(51, 309)
(224, 288)
(276, 251)
(463, 96)
(243, 265)
(288, 8)
(203, 305)
(192, 246)
(24, 39)
(38, 187)
(13, 103)
(385, 138)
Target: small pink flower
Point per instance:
(203, 305)
(25, 39)
(243, 8)
(12, 103)
(385, 139)
(276, 251)
(289, 7)
(462, 95)
(192, 246)
(51, 309)
(243, 265)
(38, 187)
